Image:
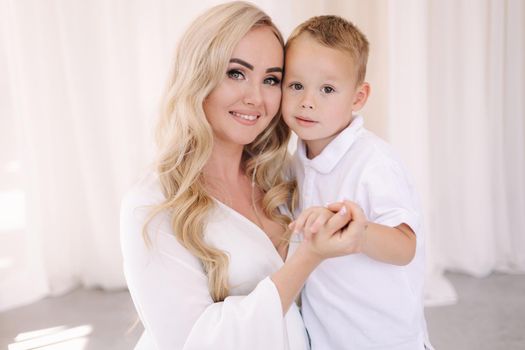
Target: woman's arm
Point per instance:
(170, 291)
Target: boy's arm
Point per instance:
(392, 245)
(393, 211)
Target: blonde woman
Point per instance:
(205, 238)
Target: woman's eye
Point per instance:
(296, 86)
(327, 89)
(272, 81)
(235, 74)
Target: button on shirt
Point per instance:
(355, 302)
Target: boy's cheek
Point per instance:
(285, 110)
(287, 100)
(286, 106)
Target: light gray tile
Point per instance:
(490, 315)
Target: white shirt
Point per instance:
(355, 302)
(170, 289)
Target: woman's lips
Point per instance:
(245, 118)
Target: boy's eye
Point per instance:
(296, 86)
(327, 89)
(235, 74)
(272, 81)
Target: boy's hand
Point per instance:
(353, 235)
(312, 219)
(343, 233)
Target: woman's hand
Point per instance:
(311, 220)
(336, 230)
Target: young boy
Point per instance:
(371, 299)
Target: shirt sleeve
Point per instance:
(389, 197)
(170, 291)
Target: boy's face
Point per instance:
(320, 92)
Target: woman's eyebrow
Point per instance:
(274, 69)
(250, 67)
(242, 63)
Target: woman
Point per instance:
(205, 238)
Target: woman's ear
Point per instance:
(361, 95)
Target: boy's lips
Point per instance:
(305, 121)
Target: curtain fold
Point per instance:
(81, 84)
(409, 125)
(477, 117)
(23, 277)
(511, 147)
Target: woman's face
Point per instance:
(248, 97)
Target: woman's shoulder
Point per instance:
(146, 235)
(138, 203)
(145, 192)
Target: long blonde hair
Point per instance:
(185, 138)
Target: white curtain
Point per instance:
(80, 84)
(477, 106)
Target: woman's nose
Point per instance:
(253, 95)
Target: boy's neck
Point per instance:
(316, 147)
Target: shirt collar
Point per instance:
(335, 150)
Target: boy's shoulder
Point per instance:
(372, 149)
(349, 148)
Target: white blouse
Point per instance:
(170, 289)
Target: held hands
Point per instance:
(338, 229)
(335, 230)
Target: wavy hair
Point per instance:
(185, 138)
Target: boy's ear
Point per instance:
(362, 93)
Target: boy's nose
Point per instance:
(307, 100)
(307, 105)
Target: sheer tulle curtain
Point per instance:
(84, 82)
(477, 133)
(451, 94)
(81, 90)
(457, 73)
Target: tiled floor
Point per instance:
(489, 316)
(81, 320)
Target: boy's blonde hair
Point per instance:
(337, 33)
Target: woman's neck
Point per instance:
(224, 164)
